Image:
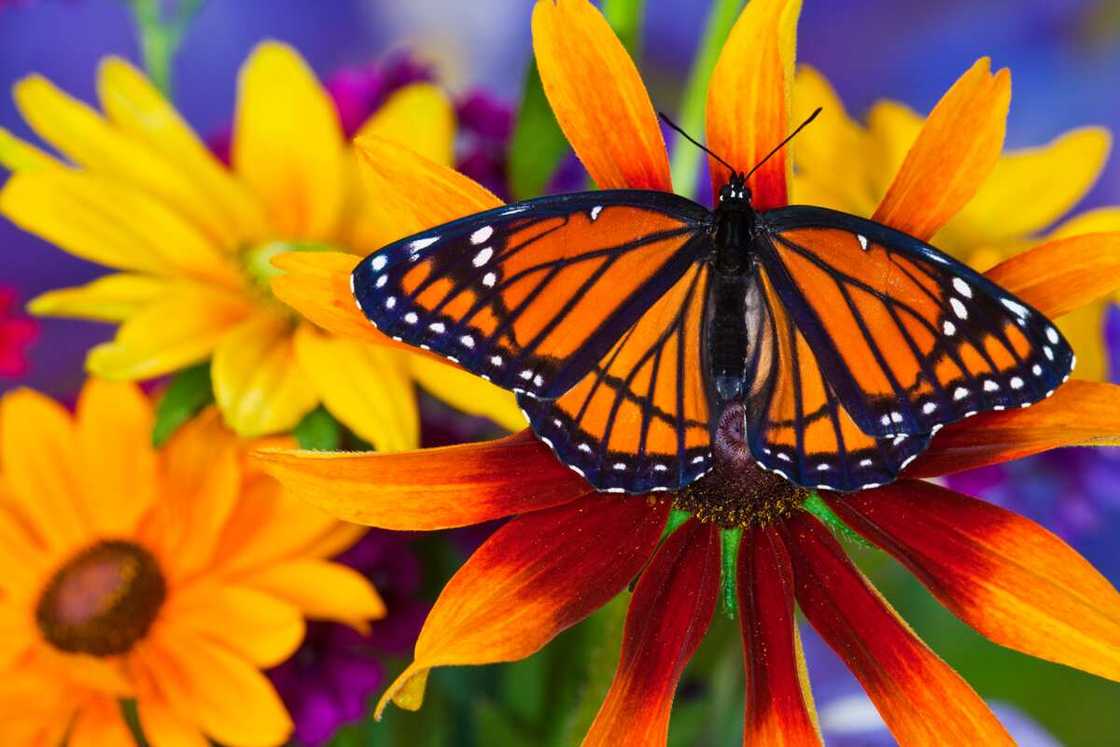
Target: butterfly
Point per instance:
(627, 321)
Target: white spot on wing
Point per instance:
(483, 256)
(865, 462)
(381, 281)
(1016, 382)
(390, 302)
(482, 235)
(489, 279)
(929, 407)
(948, 328)
(418, 244)
(467, 341)
(958, 308)
(1052, 335)
(1015, 306)
(991, 386)
(862, 241)
(962, 287)
(411, 317)
(595, 212)
(960, 393)
(378, 263)
(437, 327)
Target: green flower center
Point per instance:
(737, 492)
(257, 259)
(103, 600)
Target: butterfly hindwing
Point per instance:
(639, 420)
(908, 338)
(796, 425)
(532, 295)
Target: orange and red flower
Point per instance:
(566, 549)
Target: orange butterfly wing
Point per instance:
(639, 421)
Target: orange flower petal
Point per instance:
(99, 723)
(164, 727)
(408, 193)
(957, 148)
(750, 99)
(598, 97)
(1001, 573)
(779, 702)
(668, 617)
(1063, 275)
(1081, 413)
(536, 576)
(904, 679)
(430, 488)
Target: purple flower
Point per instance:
(334, 674)
(359, 91)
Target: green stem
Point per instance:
(160, 38)
(685, 164)
(729, 563)
(625, 17)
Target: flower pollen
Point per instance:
(737, 492)
(103, 600)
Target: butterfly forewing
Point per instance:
(533, 295)
(907, 338)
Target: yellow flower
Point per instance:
(166, 576)
(847, 165)
(193, 241)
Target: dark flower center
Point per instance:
(737, 492)
(103, 600)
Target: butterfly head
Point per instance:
(735, 192)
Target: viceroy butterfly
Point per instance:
(628, 320)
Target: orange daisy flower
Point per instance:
(169, 577)
(566, 549)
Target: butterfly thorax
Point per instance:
(734, 226)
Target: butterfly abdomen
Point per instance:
(726, 334)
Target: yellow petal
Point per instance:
(200, 468)
(1030, 189)
(116, 457)
(269, 524)
(112, 224)
(258, 385)
(20, 155)
(1082, 329)
(163, 727)
(181, 329)
(750, 99)
(323, 590)
(112, 298)
(831, 155)
(137, 107)
(409, 193)
(39, 448)
(1101, 220)
(232, 701)
(100, 723)
(418, 116)
(598, 97)
(287, 143)
(367, 387)
(467, 392)
(956, 150)
(892, 129)
(263, 628)
(82, 135)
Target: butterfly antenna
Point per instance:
(782, 144)
(694, 141)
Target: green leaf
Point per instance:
(132, 720)
(729, 565)
(625, 17)
(190, 391)
(537, 145)
(318, 430)
(685, 164)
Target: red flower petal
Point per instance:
(779, 704)
(668, 616)
(534, 577)
(1004, 575)
(921, 699)
(1080, 413)
(431, 488)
